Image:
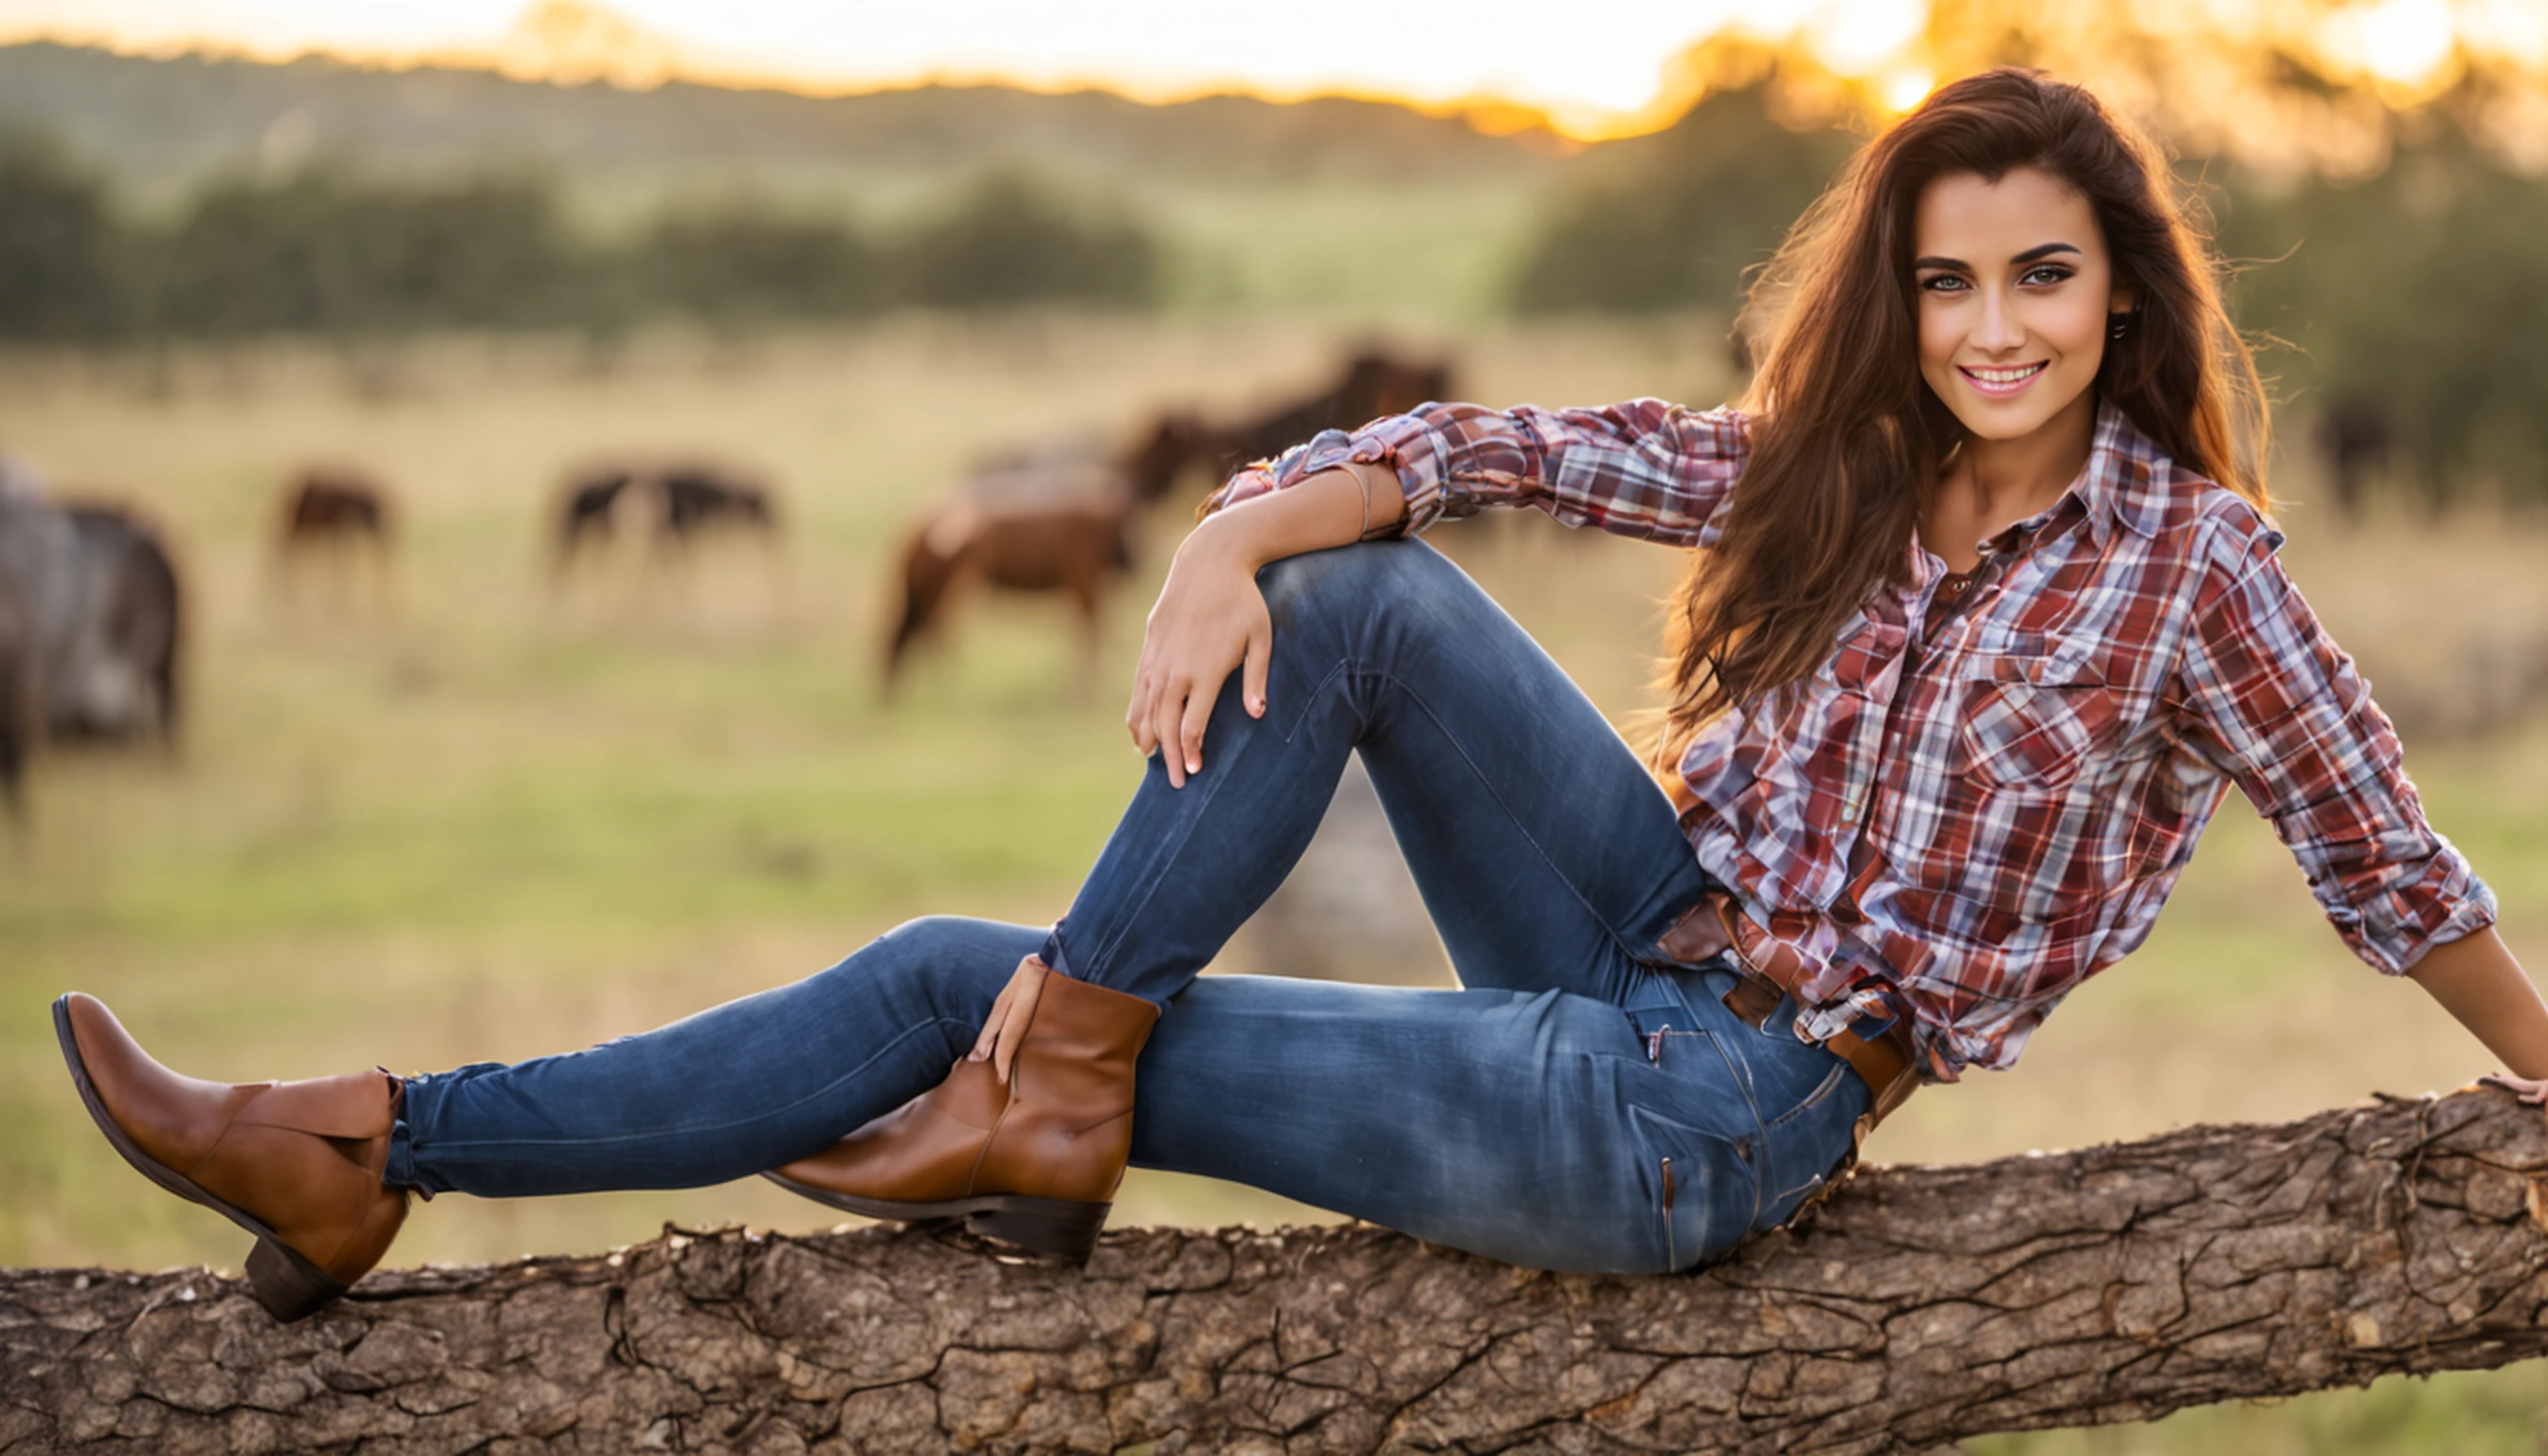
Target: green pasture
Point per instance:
(461, 812)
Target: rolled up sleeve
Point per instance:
(2294, 726)
(1647, 469)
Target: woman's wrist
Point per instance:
(1333, 508)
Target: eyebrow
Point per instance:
(2039, 250)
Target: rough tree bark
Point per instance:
(1920, 1305)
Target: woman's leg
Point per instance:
(733, 1091)
(1532, 1128)
(1546, 855)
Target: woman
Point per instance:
(1984, 620)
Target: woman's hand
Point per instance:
(2530, 1090)
(1010, 1016)
(1209, 618)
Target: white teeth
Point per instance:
(2004, 376)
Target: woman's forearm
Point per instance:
(1330, 508)
(2478, 982)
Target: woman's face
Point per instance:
(2015, 288)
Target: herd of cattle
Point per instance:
(92, 612)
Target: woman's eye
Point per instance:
(2047, 274)
(1941, 283)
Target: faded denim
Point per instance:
(1528, 1116)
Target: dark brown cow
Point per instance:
(1374, 383)
(678, 505)
(2356, 439)
(325, 507)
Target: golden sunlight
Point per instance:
(1610, 67)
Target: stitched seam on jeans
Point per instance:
(1817, 1097)
(1744, 1086)
(1133, 914)
(473, 1147)
(1487, 783)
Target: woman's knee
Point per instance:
(951, 962)
(1357, 583)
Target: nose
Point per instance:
(1999, 329)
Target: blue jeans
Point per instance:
(1584, 1103)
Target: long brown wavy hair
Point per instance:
(1847, 437)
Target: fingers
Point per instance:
(1166, 713)
(1136, 718)
(1029, 987)
(1189, 738)
(990, 1033)
(1252, 674)
(2533, 1092)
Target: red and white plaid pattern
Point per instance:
(1959, 830)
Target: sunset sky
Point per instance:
(1596, 66)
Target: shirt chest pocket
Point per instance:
(2032, 724)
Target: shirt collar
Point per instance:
(2126, 478)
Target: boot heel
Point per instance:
(1048, 1226)
(289, 1286)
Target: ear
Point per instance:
(2123, 298)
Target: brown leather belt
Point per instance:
(1883, 1063)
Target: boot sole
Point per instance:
(284, 1283)
(1048, 1226)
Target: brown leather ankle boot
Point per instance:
(297, 1164)
(1033, 1160)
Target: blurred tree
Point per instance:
(326, 251)
(64, 264)
(1010, 240)
(2420, 296)
(745, 265)
(1673, 219)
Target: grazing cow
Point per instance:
(329, 507)
(1374, 385)
(698, 499)
(337, 514)
(1175, 441)
(119, 679)
(97, 609)
(679, 503)
(2355, 438)
(1056, 519)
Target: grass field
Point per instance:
(459, 816)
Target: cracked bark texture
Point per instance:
(1918, 1306)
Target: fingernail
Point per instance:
(976, 1055)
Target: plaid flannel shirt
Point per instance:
(1958, 830)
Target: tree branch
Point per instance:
(1919, 1305)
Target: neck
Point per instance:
(2011, 480)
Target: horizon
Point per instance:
(1616, 68)
(1609, 74)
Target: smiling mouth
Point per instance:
(2001, 381)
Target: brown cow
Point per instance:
(335, 512)
(1059, 519)
(325, 507)
(1374, 383)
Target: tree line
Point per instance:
(2414, 303)
(329, 251)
